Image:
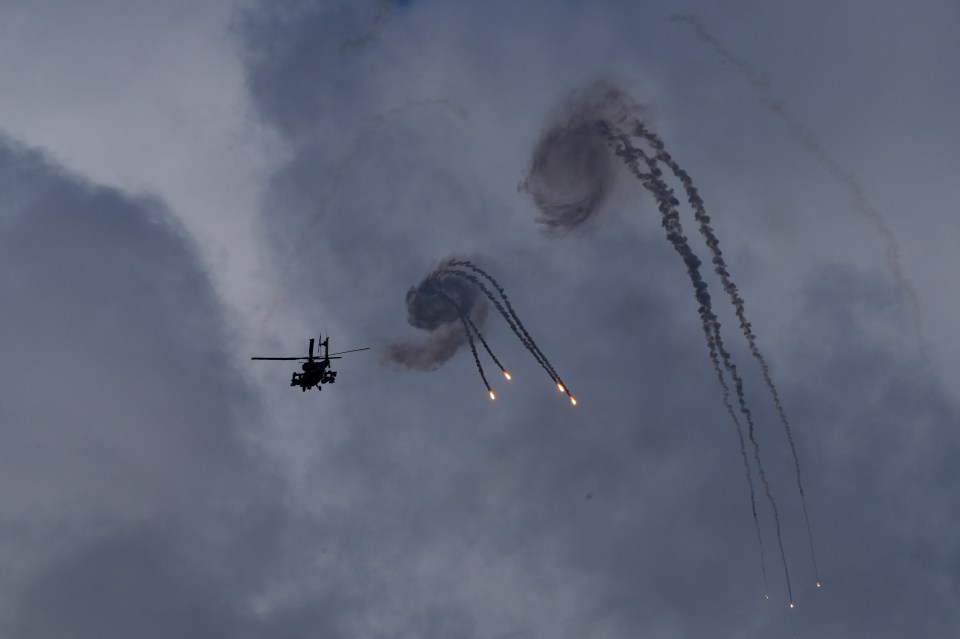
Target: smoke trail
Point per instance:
(569, 181)
(476, 331)
(476, 357)
(498, 304)
(720, 267)
(511, 317)
(670, 220)
(515, 325)
(486, 346)
(379, 20)
(813, 146)
(467, 326)
(715, 360)
(502, 306)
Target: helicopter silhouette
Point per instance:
(316, 369)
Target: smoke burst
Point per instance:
(603, 114)
(436, 305)
(571, 171)
(449, 303)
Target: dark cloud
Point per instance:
(883, 438)
(113, 332)
(137, 498)
(126, 443)
(132, 584)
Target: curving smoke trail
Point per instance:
(469, 328)
(720, 268)
(453, 291)
(486, 347)
(813, 146)
(505, 308)
(670, 220)
(569, 181)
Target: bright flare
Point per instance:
(573, 400)
(561, 388)
(793, 605)
(507, 375)
(818, 584)
(492, 396)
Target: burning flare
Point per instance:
(507, 375)
(492, 396)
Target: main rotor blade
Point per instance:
(352, 351)
(299, 359)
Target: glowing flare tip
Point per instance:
(793, 605)
(819, 584)
(507, 375)
(492, 396)
(561, 388)
(573, 400)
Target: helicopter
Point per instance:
(316, 369)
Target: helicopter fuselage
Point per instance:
(316, 369)
(315, 373)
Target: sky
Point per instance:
(186, 185)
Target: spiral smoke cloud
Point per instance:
(429, 309)
(572, 170)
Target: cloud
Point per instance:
(132, 584)
(128, 423)
(409, 504)
(482, 510)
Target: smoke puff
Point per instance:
(429, 308)
(428, 303)
(572, 169)
(430, 354)
(570, 176)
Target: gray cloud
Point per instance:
(403, 504)
(132, 584)
(126, 433)
(628, 515)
